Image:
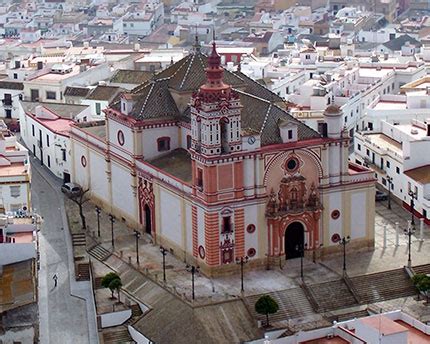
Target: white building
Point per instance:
(45, 131)
(14, 173)
(396, 147)
(10, 94)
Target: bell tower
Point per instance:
(215, 113)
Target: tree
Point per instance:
(107, 280)
(80, 199)
(266, 305)
(416, 279)
(116, 284)
(422, 283)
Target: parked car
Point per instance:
(71, 189)
(380, 196)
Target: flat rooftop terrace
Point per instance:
(176, 163)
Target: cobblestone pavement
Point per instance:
(261, 281)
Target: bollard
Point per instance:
(421, 229)
(385, 236)
(397, 234)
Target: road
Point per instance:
(63, 310)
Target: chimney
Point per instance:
(39, 65)
(385, 56)
(136, 47)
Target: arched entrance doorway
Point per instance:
(148, 224)
(294, 240)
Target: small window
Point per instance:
(200, 178)
(388, 164)
(15, 191)
(358, 146)
(397, 170)
(425, 213)
(370, 125)
(15, 75)
(163, 144)
(8, 113)
(188, 141)
(51, 95)
(290, 134)
(367, 152)
(32, 129)
(64, 154)
(47, 140)
(49, 161)
(226, 224)
(384, 182)
(98, 109)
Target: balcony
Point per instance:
(7, 103)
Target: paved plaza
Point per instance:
(384, 257)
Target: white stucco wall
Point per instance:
(358, 215)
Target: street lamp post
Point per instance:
(301, 248)
(98, 210)
(390, 182)
(164, 252)
(112, 221)
(409, 232)
(137, 235)
(413, 196)
(193, 269)
(241, 261)
(344, 241)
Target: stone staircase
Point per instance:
(381, 286)
(99, 253)
(117, 335)
(83, 272)
(79, 239)
(347, 316)
(292, 304)
(332, 295)
(421, 269)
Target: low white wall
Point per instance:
(115, 318)
(138, 337)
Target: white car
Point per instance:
(71, 189)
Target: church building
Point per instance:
(209, 164)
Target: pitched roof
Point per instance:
(262, 116)
(397, 43)
(61, 109)
(102, 92)
(130, 76)
(75, 91)
(11, 85)
(260, 113)
(155, 101)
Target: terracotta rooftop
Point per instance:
(130, 76)
(102, 92)
(420, 174)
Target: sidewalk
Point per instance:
(262, 281)
(66, 312)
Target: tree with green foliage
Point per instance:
(422, 283)
(266, 305)
(107, 280)
(116, 284)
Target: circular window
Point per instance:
(251, 252)
(202, 252)
(335, 214)
(292, 164)
(250, 229)
(120, 137)
(335, 238)
(83, 161)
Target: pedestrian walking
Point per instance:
(55, 278)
